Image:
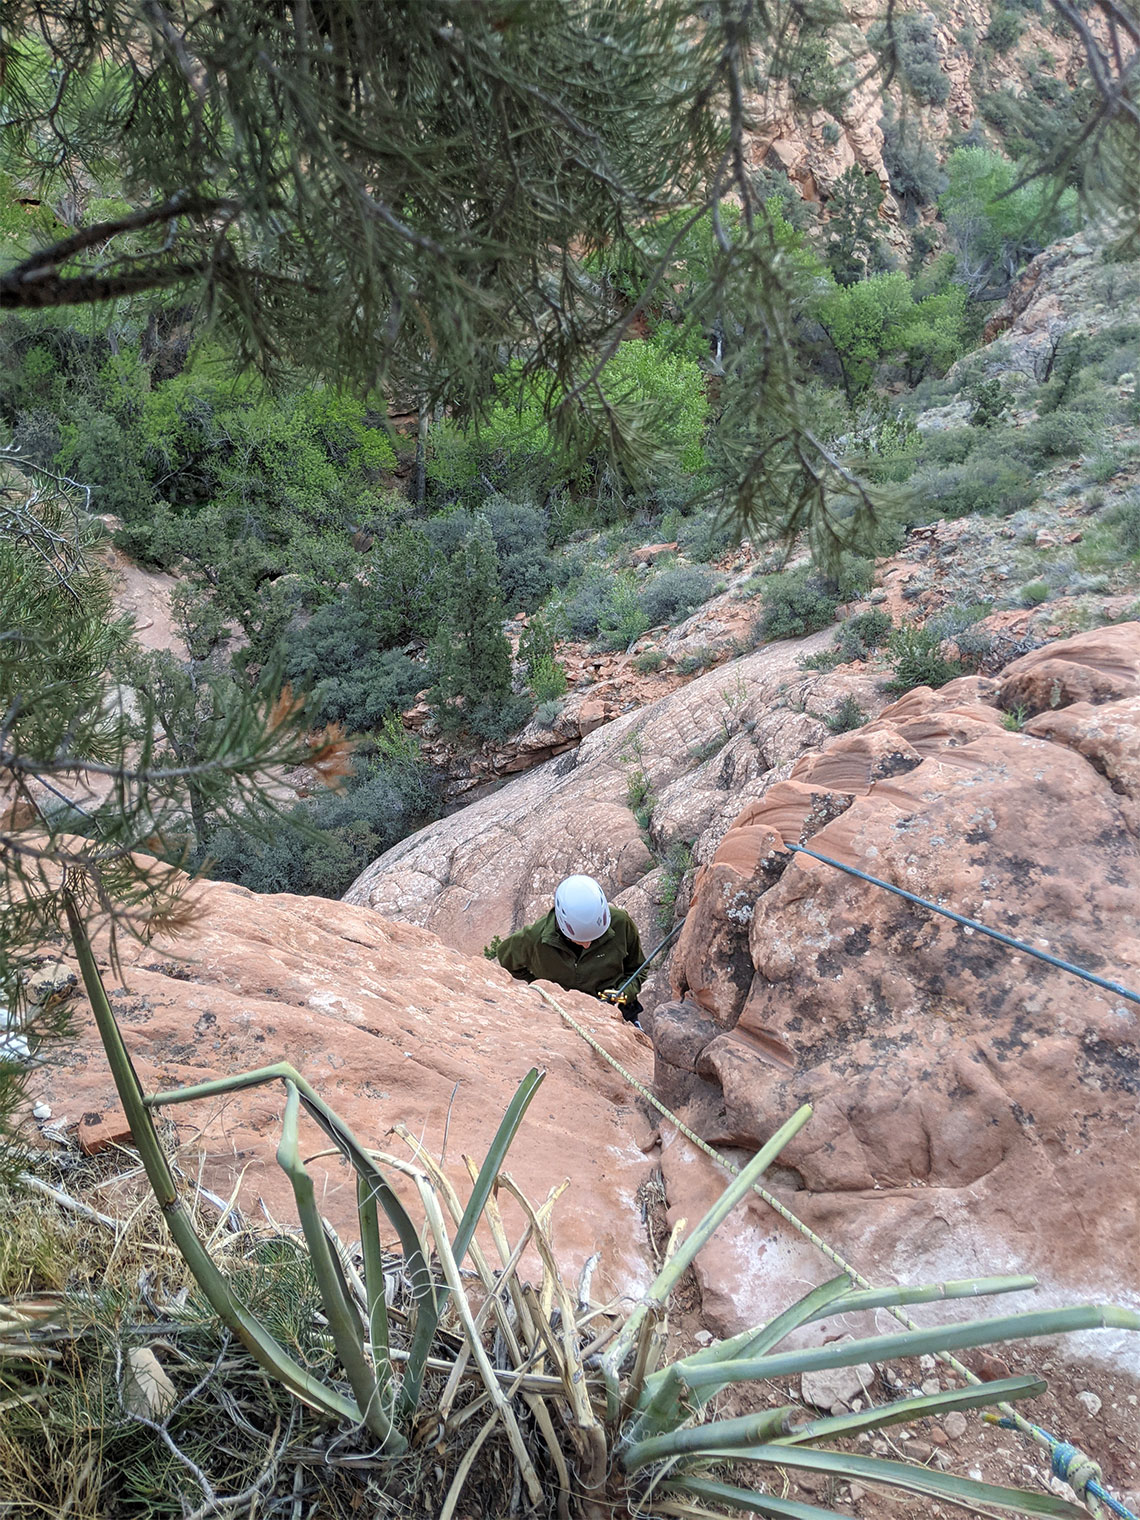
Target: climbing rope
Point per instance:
(1072, 1466)
(1080, 1471)
(971, 923)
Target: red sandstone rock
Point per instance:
(974, 1109)
(100, 1131)
(390, 1027)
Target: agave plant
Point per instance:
(590, 1418)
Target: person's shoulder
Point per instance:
(621, 920)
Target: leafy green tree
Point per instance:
(470, 652)
(853, 245)
(996, 219)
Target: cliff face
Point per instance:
(814, 145)
(392, 1028)
(971, 1103)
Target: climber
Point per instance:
(582, 944)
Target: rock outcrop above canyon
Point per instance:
(391, 1027)
(686, 763)
(975, 1109)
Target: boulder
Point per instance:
(975, 1109)
(391, 1028)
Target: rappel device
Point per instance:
(616, 995)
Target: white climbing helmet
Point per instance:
(580, 908)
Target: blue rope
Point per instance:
(1068, 1462)
(972, 923)
(1073, 1467)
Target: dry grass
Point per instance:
(77, 1297)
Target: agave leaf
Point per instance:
(675, 1268)
(746, 1432)
(881, 1415)
(373, 1257)
(344, 1321)
(881, 1348)
(427, 1317)
(754, 1342)
(889, 1298)
(746, 1499)
(332, 1125)
(252, 1334)
(905, 1475)
(496, 1155)
(832, 1298)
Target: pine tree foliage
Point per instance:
(408, 195)
(92, 789)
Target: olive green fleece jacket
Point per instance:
(542, 951)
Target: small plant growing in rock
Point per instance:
(546, 713)
(918, 661)
(1034, 593)
(650, 662)
(697, 660)
(846, 716)
(1016, 718)
(678, 861)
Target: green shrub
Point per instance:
(623, 619)
(650, 662)
(854, 577)
(322, 844)
(912, 165)
(545, 676)
(794, 605)
(1060, 435)
(674, 593)
(520, 533)
(846, 716)
(990, 403)
(1033, 594)
(677, 863)
(993, 487)
(547, 680)
(863, 633)
(910, 43)
(1103, 465)
(1125, 518)
(916, 660)
(1003, 31)
(546, 713)
(951, 446)
(584, 608)
(699, 659)
(496, 719)
(823, 660)
(707, 536)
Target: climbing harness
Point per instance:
(1067, 1462)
